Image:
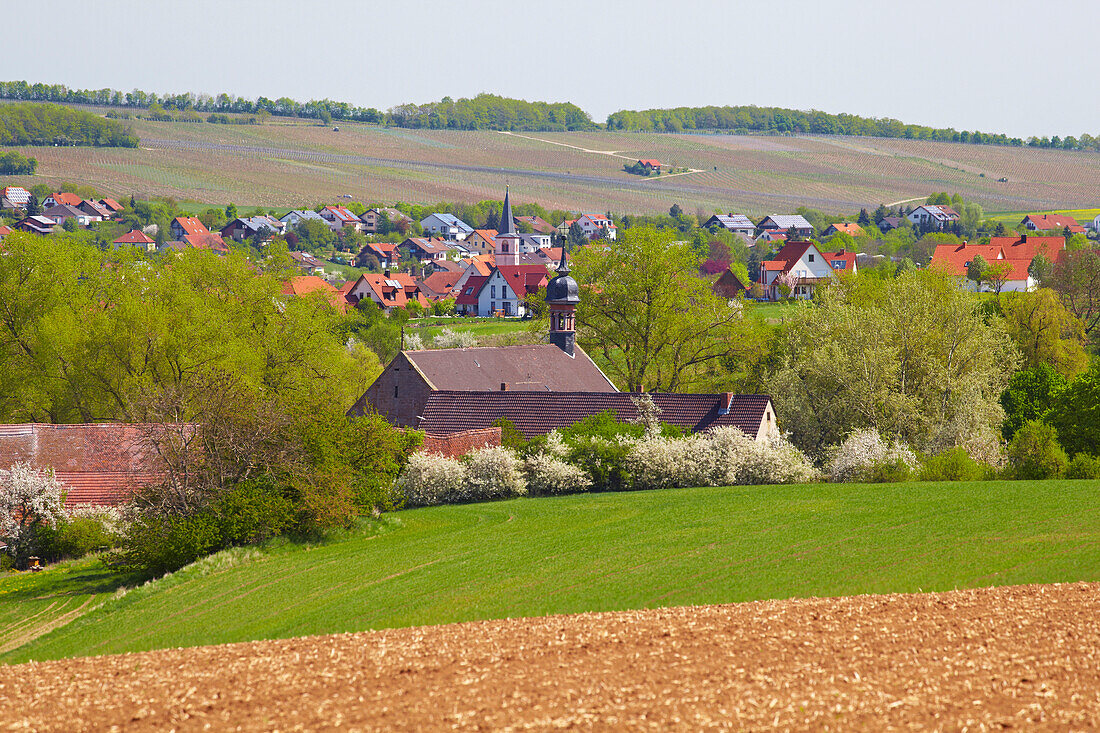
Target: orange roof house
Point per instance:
(1047, 222)
(387, 290)
(302, 286)
(853, 230)
(136, 238)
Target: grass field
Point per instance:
(593, 552)
(483, 329)
(298, 164)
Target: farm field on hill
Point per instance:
(1019, 657)
(597, 552)
(283, 165)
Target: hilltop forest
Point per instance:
(492, 112)
(49, 124)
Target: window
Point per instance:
(492, 291)
(492, 306)
(811, 258)
(395, 391)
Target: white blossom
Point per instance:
(28, 497)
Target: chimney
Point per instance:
(1025, 239)
(503, 386)
(724, 403)
(386, 273)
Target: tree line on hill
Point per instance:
(780, 120)
(483, 112)
(50, 124)
(494, 112)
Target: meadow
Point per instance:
(589, 552)
(297, 163)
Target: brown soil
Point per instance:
(1021, 657)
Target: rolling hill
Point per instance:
(288, 163)
(593, 552)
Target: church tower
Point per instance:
(562, 295)
(506, 242)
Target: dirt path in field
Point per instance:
(612, 153)
(30, 628)
(1021, 657)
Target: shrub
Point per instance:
(493, 473)
(510, 436)
(413, 342)
(887, 471)
(430, 479)
(253, 512)
(1034, 453)
(547, 475)
(85, 529)
(326, 501)
(158, 544)
(603, 460)
(1083, 466)
(724, 456)
(448, 339)
(865, 456)
(31, 504)
(952, 465)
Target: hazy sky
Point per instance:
(1008, 66)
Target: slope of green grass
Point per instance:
(604, 552)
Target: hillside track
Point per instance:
(1013, 657)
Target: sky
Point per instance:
(1019, 67)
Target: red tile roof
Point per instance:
(111, 204)
(67, 198)
(99, 463)
(854, 230)
(191, 225)
(1027, 246)
(304, 285)
(209, 240)
(390, 295)
(470, 289)
(538, 412)
(135, 236)
(652, 163)
(847, 258)
(1044, 222)
(524, 279)
(441, 283)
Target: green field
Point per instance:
(1012, 218)
(596, 552)
(291, 164)
(487, 331)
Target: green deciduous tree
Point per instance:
(645, 312)
(1045, 332)
(1075, 412)
(1029, 395)
(913, 356)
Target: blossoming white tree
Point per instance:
(29, 499)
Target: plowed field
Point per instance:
(1017, 657)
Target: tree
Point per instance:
(577, 237)
(675, 211)
(1034, 453)
(1075, 412)
(1040, 268)
(34, 208)
(881, 213)
(997, 275)
(1029, 395)
(912, 356)
(646, 312)
(70, 224)
(1045, 332)
(976, 270)
(231, 212)
(29, 500)
(864, 218)
(1076, 279)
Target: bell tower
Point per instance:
(563, 295)
(506, 242)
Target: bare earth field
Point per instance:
(294, 163)
(1014, 657)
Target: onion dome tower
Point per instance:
(507, 241)
(562, 295)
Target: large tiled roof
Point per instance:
(135, 236)
(541, 367)
(99, 463)
(537, 413)
(16, 194)
(67, 198)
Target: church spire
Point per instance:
(563, 266)
(507, 226)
